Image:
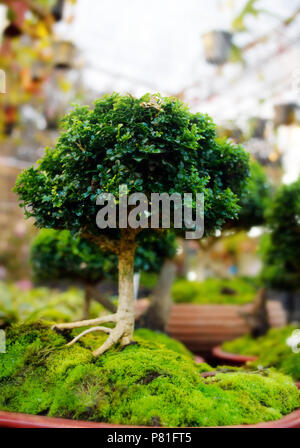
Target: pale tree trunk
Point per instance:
(157, 316)
(125, 309)
(124, 317)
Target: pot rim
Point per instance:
(18, 420)
(218, 352)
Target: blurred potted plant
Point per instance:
(63, 54)
(217, 45)
(32, 78)
(280, 247)
(257, 127)
(284, 114)
(280, 253)
(202, 326)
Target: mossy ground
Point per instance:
(152, 382)
(17, 305)
(272, 350)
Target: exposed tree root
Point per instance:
(86, 323)
(90, 330)
(117, 334)
(124, 317)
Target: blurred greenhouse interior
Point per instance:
(236, 60)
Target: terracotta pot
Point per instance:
(231, 358)
(202, 327)
(16, 420)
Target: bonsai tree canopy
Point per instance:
(281, 247)
(150, 144)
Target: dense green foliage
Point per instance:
(153, 249)
(281, 247)
(60, 255)
(153, 382)
(151, 144)
(235, 291)
(272, 350)
(42, 303)
(254, 199)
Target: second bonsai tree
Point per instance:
(151, 145)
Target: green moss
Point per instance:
(161, 340)
(152, 382)
(272, 350)
(42, 303)
(236, 291)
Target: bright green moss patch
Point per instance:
(236, 291)
(152, 382)
(17, 305)
(272, 350)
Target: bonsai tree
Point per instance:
(281, 246)
(150, 144)
(59, 255)
(253, 202)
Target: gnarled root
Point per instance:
(85, 323)
(117, 334)
(90, 330)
